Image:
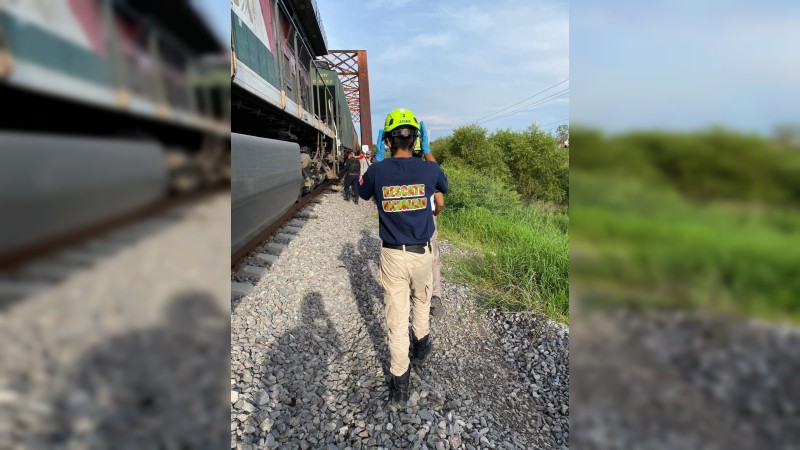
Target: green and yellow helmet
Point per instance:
(398, 118)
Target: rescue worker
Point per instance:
(423, 150)
(352, 170)
(401, 187)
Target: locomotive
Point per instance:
(290, 122)
(107, 107)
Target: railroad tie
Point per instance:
(48, 270)
(305, 215)
(79, 257)
(21, 288)
(266, 258)
(292, 230)
(284, 237)
(253, 271)
(240, 289)
(275, 248)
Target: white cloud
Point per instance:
(439, 120)
(429, 40)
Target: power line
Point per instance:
(523, 100)
(529, 106)
(540, 126)
(551, 123)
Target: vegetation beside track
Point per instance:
(507, 202)
(703, 220)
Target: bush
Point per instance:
(713, 164)
(539, 169)
(529, 160)
(469, 189)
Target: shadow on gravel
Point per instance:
(363, 285)
(299, 385)
(159, 387)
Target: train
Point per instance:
(290, 121)
(108, 106)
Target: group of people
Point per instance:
(408, 190)
(354, 168)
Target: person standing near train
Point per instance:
(365, 162)
(352, 170)
(423, 151)
(401, 187)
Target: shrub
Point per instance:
(707, 165)
(528, 161)
(470, 189)
(538, 167)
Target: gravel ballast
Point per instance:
(129, 349)
(309, 360)
(684, 380)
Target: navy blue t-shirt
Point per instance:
(402, 188)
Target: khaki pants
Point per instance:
(437, 274)
(403, 275)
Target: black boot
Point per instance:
(420, 349)
(399, 388)
(356, 199)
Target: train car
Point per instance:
(107, 106)
(328, 86)
(287, 118)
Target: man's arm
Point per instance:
(367, 185)
(438, 198)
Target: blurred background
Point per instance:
(685, 217)
(115, 210)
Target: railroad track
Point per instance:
(42, 265)
(280, 222)
(252, 262)
(12, 261)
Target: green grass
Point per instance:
(657, 249)
(496, 180)
(522, 262)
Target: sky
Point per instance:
(453, 62)
(677, 64)
(218, 15)
(685, 65)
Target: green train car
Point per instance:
(289, 118)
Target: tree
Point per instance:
(787, 135)
(562, 136)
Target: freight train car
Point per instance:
(287, 118)
(328, 86)
(107, 106)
